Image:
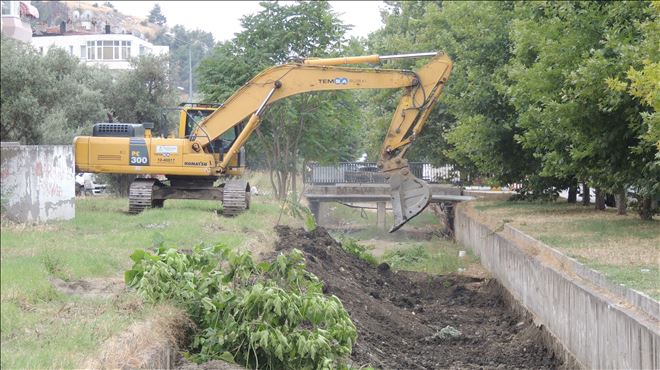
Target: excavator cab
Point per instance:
(192, 115)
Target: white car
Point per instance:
(86, 184)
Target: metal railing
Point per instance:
(368, 173)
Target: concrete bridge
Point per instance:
(319, 195)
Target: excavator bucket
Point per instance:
(410, 196)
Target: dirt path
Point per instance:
(418, 321)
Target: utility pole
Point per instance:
(190, 92)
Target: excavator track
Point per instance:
(235, 197)
(140, 195)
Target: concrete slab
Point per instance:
(38, 182)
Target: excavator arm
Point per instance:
(423, 87)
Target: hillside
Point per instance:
(90, 17)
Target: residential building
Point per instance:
(110, 49)
(13, 19)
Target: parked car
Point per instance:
(86, 184)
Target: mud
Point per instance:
(90, 288)
(409, 320)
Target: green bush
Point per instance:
(266, 315)
(406, 257)
(351, 246)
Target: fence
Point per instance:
(368, 173)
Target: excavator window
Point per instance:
(220, 145)
(194, 117)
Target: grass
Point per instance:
(623, 248)
(415, 247)
(440, 257)
(43, 328)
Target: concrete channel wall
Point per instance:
(38, 182)
(604, 326)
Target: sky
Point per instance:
(222, 18)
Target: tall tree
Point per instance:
(314, 126)
(46, 99)
(143, 93)
(473, 126)
(564, 55)
(187, 49)
(642, 81)
(156, 16)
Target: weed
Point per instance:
(352, 246)
(55, 266)
(266, 315)
(436, 258)
(406, 257)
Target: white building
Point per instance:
(12, 18)
(109, 49)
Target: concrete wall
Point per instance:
(602, 327)
(38, 182)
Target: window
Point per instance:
(91, 50)
(83, 51)
(107, 50)
(10, 8)
(142, 49)
(125, 49)
(70, 49)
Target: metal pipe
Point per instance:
(263, 103)
(190, 92)
(343, 60)
(364, 59)
(413, 55)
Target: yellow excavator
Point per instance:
(211, 137)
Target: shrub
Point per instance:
(351, 246)
(406, 257)
(266, 315)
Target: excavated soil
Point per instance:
(400, 316)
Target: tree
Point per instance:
(314, 126)
(564, 54)
(473, 126)
(186, 46)
(156, 16)
(46, 99)
(143, 93)
(641, 81)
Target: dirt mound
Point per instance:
(91, 288)
(411, 320)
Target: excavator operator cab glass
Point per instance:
(195, 116)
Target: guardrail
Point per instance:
(368, 173)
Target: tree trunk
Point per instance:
(600, 199)
(294, 187)
(282, 183)
(646, 208)
(621, 202)
(572, 194)
(586, 196)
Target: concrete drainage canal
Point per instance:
(409, 320)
